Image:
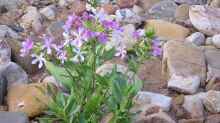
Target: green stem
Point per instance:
(94, 64)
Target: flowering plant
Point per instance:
(75, 60)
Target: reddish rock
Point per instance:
(213, 119)
(126, 3)
(109, 8)
(78, 7)
(199, 120)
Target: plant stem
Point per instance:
(94, 64)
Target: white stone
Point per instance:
(49, 12)
(146, 98)
(216, 40)
(183, 84)
(197, 38)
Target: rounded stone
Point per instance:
(216, 40)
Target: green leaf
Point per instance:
(60, 74)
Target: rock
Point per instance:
(137, 10)
(196, 38)
(56, 29)
(5, 31)
(212, 56)
(191, 2)
(193, 104)
(108, 67)
(216, 40)
(62, 3)
(167, 30)
(184, 65)
(213, 118)
(109, 8)
(78, 7)
(13, 117)
(182, 12)
(107, 118)
(14, 74)
(144, 98)
(52, 80)
(212, 101)
(32, 18)
(126, 39)
(210, 19)
(3, 89)
(11, 4)
(5, 53)
(163, 10)
(215, 3)
(194, 120)
(150, 71)
(147, 4)
(126, 3)
(49, 12)
(127, 16)
(30, 99)
(208, 41)
(24, 62)
(160, 117)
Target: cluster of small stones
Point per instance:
(183, 86)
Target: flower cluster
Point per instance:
(155, 44)
(78, 30)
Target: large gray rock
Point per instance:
(192, 2)
(212, 56)
(14, 74)
(11, 4)
(144, 98)
(184, 65)
(3, 89)
(194, 105)
(205, 19)
(163, 10)
(13, 117)
(5, 31)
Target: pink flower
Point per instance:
(27, 46)
(156, 48)
(48, 44)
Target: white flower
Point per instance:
(90, 8)
(121, 52)
(78, 55)
(79, 37)
(67, 38)
(38, 59)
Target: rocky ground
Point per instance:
(180, 87)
